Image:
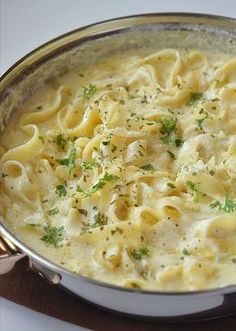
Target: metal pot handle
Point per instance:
(9, 255)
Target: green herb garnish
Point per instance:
(171, 185)
(148, 167)
(186, 252)
(61, 190)
(53, 211)
(172, 155)
(42, 139)
(53, 235)
(89, 91)
(61, 141)
(99, 185)
(99, 220)
(89, 165)
(69, 162)
(83, 211)
(195, 98)
(200, 121)
(167, 140)
(34, 225)
(103, 181)
(140, 253)
(168, 124)
(195, 190)
(105, 143)
(119, 230)
(80, 190)
(172, 140)
(168, 128)
(229, 206)
(178, 142)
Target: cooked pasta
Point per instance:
(125, 171)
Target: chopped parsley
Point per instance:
(140, 253)
(185, 252)
(172, 155)
(42, 139)
(53, 211)
(171, 185)
(61, 141)
(70, 161)
(89, 165)
(195, 98)
(61, 190)
(99, 185)
(103, 181)
(168, 124)
(148, 167)
(166, 139)
(168, 129)
(83, 211)
(119, 230)
(99, 220)
(105, 143)
(89, 91)
(80, 190)
(195, 190)
(178, 142)
(229, 205)
(200, 121)
(34, 225)
(53, 236)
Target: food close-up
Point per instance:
(118, 166)
(130, 178)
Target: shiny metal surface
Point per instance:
(9, 255)
(51, 59)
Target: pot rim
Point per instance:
(36, 256)
(212, 17)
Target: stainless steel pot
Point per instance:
(81, 47)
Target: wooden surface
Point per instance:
(27, 288)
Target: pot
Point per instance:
(81, 47)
